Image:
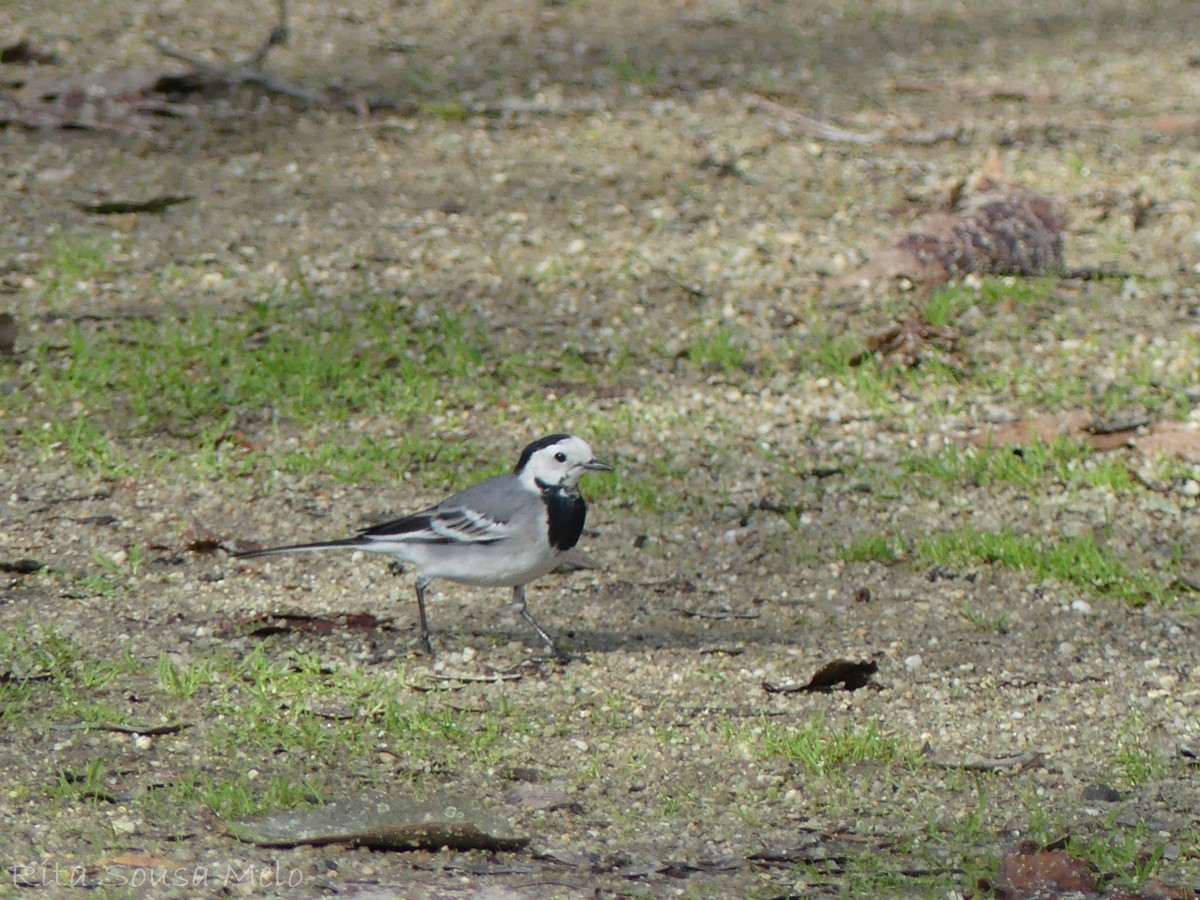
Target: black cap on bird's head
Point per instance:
(558, 459)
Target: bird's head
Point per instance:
(557, 460)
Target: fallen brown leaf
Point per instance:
(909, 341)
(1046, 428)
(844, 673)
(239, 439)
(1176, 125)
(1027, 873)
(199, 539)
(1178, 439)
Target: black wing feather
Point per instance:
(439, 525)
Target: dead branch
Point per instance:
(248, 71)
(813, 127)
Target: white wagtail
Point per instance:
(502, 532)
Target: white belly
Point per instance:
(486, 565)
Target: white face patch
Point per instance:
(561, 463)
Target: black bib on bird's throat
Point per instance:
(565, 515)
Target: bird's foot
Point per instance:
(562, 657)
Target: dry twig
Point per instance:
(813, 127)
(249, 70)
(907, 341)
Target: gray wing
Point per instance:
(481, 514)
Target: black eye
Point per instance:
(560, 456)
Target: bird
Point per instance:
(504, 531)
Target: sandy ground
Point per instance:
(597, 179)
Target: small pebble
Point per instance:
(123, 825)
(1101, 793)
(912, 663)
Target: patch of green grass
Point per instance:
(29, 656)
(1109, 471)
(988, 465)
(76, 709)
(15, 695)
(72, 265)
(110, 578)
(550, 271)
(869, 548)
(447, 111)
(818, 747)
(189, 375)
(647, 490)
(875, 385)
(1136, 760)
(183, 681)
(1145, 383)
(95, 673)
(1125, 857)
(156, 396)
(1064, 460)
(1042, 824)
(44, 654)
(246, 794)
(284, 703)
(1051, 384)
(942, 307)
(880, 386)
(369, 459)
(1074, 560)
(995, 624)
(842, 353)
(722, 351)
(962, 815)
(129, 566)
(85, 443)
(968, 828)
(830, 354)
(635, 72)
(301, 361)
(36, 653)
(1016, 290)
(85, 785)
(95, 584)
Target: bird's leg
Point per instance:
(422, 583)
(518, 602)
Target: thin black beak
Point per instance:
(596, 466)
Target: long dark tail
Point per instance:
(343, 544)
